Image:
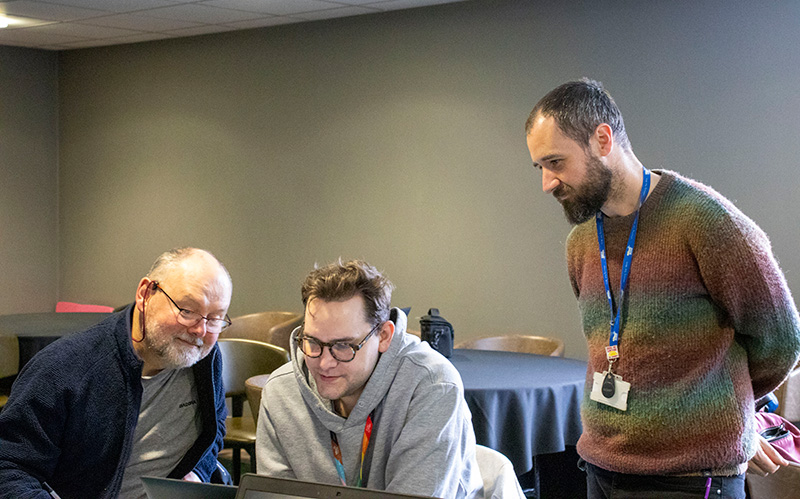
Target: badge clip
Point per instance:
(609, 389)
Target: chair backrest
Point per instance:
(497, 472)
(280, 333)
(254, 386)
(541, 345)
(243, 358)
(788, 395)
(783, 484)
(269, 327)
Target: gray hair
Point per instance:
(169, 259)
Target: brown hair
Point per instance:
(340, 281)
(578, 108)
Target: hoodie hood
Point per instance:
(376, 388)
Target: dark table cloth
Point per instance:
(522, 405)
(36, 331)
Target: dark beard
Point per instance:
(588, 198)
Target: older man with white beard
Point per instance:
(138, 394)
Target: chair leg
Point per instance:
(237, 464)
(252, 451)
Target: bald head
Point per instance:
(185, 258)
(193, 265)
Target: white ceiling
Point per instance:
(70, 24)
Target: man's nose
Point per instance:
(199, 329)
(326, 360)
(549, 181)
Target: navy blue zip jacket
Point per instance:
(73, 409)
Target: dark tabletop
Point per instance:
(36, 331)
(48, 323)
(522, 405)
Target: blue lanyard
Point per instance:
(612, 352)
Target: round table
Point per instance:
(527, 407)
(36, 331)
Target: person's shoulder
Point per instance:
(701, 206)
(85, 343)
(582, 229)
(78, 353)
(695, 195)
(423, 362)
(581, 235)
(282, 393)
(280, 378)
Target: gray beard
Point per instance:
(173, 355)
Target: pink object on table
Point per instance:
(68, 306)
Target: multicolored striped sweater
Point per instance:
(708, 326)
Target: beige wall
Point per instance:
(28, 187)
(398, 138)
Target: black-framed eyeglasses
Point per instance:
(189, 318)
(342, 351)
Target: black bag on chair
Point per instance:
(437, 331)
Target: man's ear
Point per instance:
(603, 138)
(143, 291)
(386, 334)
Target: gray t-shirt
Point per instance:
(169, 423)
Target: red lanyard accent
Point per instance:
(337, 452)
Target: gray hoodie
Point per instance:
(422, 439)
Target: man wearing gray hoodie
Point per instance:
(364, 403)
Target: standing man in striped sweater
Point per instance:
(702, 321)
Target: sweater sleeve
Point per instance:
(31, 428)
(435, 446)
(270, 457)
(743, 278)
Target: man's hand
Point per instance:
(191, 477)
(767, 460)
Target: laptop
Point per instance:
(266, 487)
(253, 486)
(170, 488)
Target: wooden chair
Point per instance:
(270, 327)
(254, 386)
(783, 484)
(242, 359)
(788, 395)
(540, 345)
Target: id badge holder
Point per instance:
(618, 398)
(609, 388)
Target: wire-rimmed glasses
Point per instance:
(189, 318)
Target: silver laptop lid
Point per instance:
(264, 487)
(169, 488)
